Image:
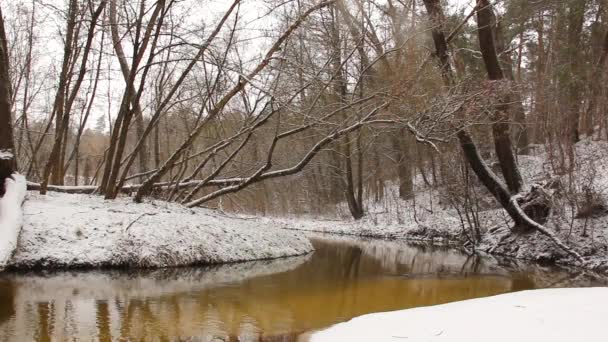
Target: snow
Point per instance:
(427, 218)
(86, 231)
(431, 217)
(6, 154)
(540, 315)
(11, 216)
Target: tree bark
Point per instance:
(340, 89)
(574, 81)
(596, 88)
(517, 111)
(500, 128)
(433, 8)
(8, 161)
(404, 165)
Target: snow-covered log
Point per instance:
(11, 216)
(129, 188)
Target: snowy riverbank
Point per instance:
(541, 315)
(497, 239)
(84, 231)
(579, 216)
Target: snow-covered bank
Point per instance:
(423, 219)
(541, 315)
(73, 231)
(438, 233)
(579, 215)
(11, 216)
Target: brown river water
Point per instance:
(280, 300)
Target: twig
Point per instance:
(139, 217)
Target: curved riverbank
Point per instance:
(443, 229)
(84, 231)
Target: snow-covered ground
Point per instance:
(542, 315)
(72, 231)
(580, 210)
(11, 215)
(424, 219)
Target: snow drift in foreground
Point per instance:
(73, 231)
(541, 315)
(11, 216)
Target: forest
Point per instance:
(155, 133)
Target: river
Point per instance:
(279, 300)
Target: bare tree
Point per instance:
(220, 105)
(64, 100)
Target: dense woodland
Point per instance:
(304, 106)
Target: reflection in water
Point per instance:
(7, 292)
(260, 301)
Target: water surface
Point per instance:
(278, 300)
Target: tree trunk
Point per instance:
(8, 161)
(574, 82)
(53, 166)
(56, 159)
(126, 72)
(596, 88)
(500, 128)
(404, 165)
(346, 148)
(433, 8)
(518, 113)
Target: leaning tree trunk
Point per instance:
(8, 161)
(469, 149)
(528, 212)
(500, 128)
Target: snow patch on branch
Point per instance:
(11, 216)
(6, 154)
